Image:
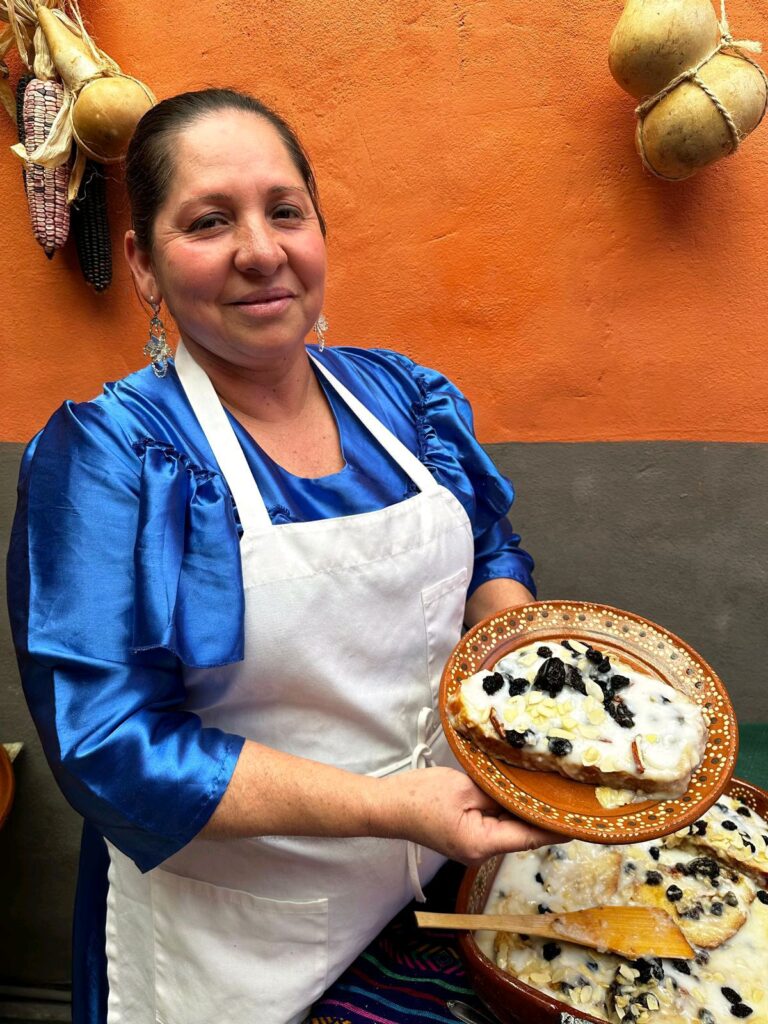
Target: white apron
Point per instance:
(348, 623)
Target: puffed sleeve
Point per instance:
(107, 549)
(447, 444)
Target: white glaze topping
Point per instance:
(664, 743)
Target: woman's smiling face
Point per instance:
(238, 254)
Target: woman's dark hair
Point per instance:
(149, 162)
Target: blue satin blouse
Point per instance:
(124, 562)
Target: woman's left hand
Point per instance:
(443, 809)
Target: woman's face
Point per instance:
(238, 255)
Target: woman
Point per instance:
(235, 584)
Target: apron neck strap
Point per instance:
(404, 458)
(226, 449)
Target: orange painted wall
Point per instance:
(488, 216)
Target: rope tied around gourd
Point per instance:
(740, 48)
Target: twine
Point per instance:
(727, 42)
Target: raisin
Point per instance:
(706, 866)
(700, 827)
(741, 1010)
(682, 965)
(518, 739)
(649, 968)
(743, 809)
(716, 908)
(560, 747)
(539, 879)
(674, 893)
(550, 950)
(574, 679)
(653, 878)
(731, 899)
(765, 838)
(604, 666)
(654, 852)
(762, 895)
(702, 957)
(619, 712)
(721, 807)
(544, 652)
(493, 683)
(542, 908)
(594, 656)
(706, 1017)
(593, 966)
(551, 677)
(618, 683)
(731, 995)
(517, 686)
(730, 826)
(567, 646)
(629, 867)
(692, 913)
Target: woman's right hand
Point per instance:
(442, 808)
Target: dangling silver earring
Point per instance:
(321, 326)
(157, 347)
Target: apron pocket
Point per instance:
(443, 604)
(226, 955)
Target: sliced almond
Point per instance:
(562, 734)
(590, 756)
(589, 732)
(593, 690)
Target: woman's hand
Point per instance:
(443, 809)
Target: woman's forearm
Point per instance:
(494, 595)
(272, 793)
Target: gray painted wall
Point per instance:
(677, 532)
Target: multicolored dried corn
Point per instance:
(46, 189)
(90, 228)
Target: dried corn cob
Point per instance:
(46, 189)
(90, 228)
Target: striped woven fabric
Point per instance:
(405, 975)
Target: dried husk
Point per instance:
(656, 40)
(106, 113)
(685, 131)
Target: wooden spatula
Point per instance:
(629, 931)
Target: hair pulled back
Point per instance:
(149, 162)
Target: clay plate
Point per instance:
(512, 1000)
(568, 807)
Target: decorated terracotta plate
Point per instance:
(512, 1000)
(569, 807)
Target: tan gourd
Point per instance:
(656, 40)
(105, 115)
(685, 131)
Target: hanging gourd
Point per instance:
(701, 92)
(78, 111)
(106, 104)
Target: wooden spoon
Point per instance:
(629, 931)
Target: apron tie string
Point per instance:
(421, 757)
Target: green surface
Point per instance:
(752, 765)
